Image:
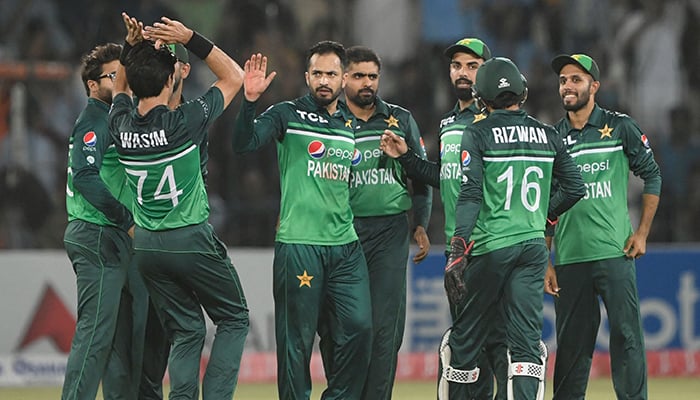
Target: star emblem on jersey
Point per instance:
(305, 279)
(348, 123)
(606, 132)
(479, 117)
(392, 122)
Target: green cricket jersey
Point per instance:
(160, 152)
(378, 184)
(315, 151)
(95, 181)
(608, 147)
(452, 126)
(508, 161)
(447, 172)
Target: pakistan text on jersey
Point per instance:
(131, 140)
(598, 190)
(450, 171)
(373, 176)
(326, 170)
(513, 134)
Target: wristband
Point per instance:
(199, 45)
(126, 48)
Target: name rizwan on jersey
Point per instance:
(514, 134)
(327, 170)
(373, 176)
(131, 140)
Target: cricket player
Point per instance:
(606, 146)
(498, 255)
(380, 199)
(97, 237)
(320, 279)
(183, 263)
(465, 56)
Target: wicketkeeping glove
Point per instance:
(454, 270)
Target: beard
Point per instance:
(105, 95)
(324, 101)
(464, 94)
(582, 100)
(363, 100)
(579, 104)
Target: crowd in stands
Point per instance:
(648, 52)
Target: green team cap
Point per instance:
(180, 52)
(498, 75)
(469, 45)
(585, 62)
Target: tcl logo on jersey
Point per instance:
(569, 141)
(90, 139)
(466, 158)
(311, 116)
(447, 121)
(317, 150)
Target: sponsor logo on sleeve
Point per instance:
(90, 139)
(466, 158)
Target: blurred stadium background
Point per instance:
(648, 52)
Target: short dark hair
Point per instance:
(148, 69)
(92, 62)
(504, 100)
(358, 54)
(325, 47)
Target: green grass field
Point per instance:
(598, 389)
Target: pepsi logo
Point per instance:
(90, 139)
(466, 158)
(442, 149)
(316, 149)
(645, 141)
(356, 157)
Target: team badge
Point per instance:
(316, 149)
(606, 131)
(392, 121)
(645, 141)
(90, 139)
(356, 157)
(466, 158)
(305, 279)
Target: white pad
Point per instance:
(450, 374)
(529, 369)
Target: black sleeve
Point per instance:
(420, 169)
